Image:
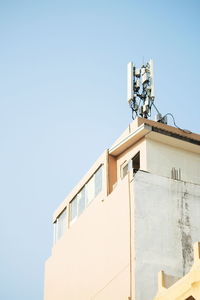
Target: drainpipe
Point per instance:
(130, 237)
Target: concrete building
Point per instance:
(136, 212)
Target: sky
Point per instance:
(63, 68)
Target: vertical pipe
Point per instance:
(130, 237)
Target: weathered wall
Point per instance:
(185, 288)
(91, 260)
(166, 220)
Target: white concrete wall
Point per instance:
(161, 158)
(166, 224)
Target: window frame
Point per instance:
(91, 181)
(122, 167)
(57, 224)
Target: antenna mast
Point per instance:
(141, 92)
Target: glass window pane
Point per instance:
(90, 192)
(125, 171)
(61, 225)
(54, 232)
(73, 209)
(81, 201)
(98, 181)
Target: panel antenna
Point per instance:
(141, 92)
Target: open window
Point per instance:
(136, 162)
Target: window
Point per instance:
(124, 169)
(89, 191)
(135, 165)
(98, 181)
(81, 201)
(60, 225)
(73, 209)
(136, 162)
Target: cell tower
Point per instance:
(141, 93)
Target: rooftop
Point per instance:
(140, 127)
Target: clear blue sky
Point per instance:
(63, 101)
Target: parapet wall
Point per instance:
(166, 225)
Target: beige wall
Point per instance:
(161, 158)
(91, 260)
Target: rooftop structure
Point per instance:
(134, 213)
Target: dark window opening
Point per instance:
(190, 298)
(136, 162)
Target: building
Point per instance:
(136, 212)
(187, 288)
